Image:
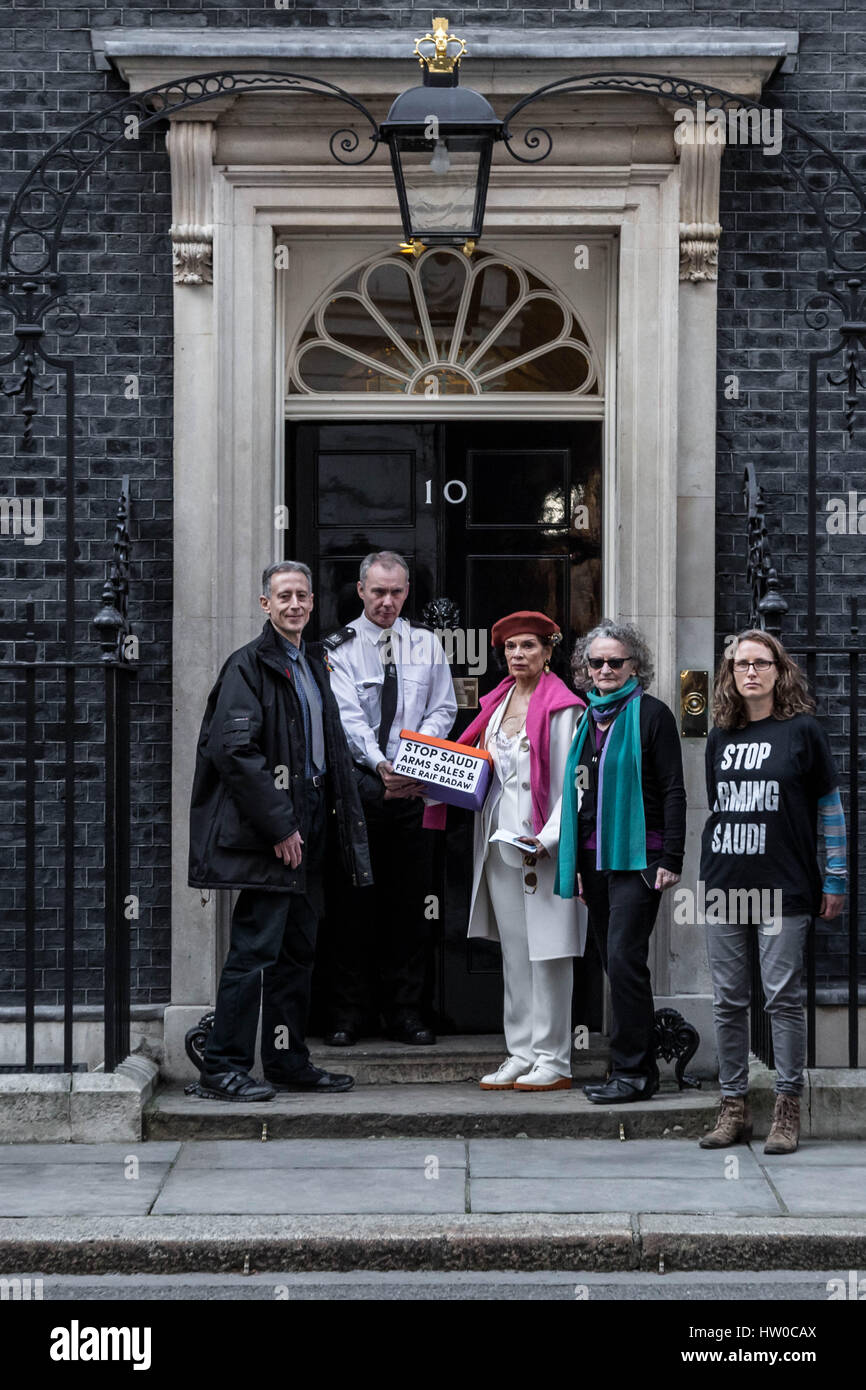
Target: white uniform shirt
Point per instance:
(425, 691)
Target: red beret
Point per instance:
(524, 621)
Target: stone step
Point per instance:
(379, 1062)
(454, 1110)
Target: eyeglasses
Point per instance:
(742, 666)
(615, 663)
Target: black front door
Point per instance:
(493, 515)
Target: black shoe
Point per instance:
(412, 1030)
(621, 1090)
(232, 1085)
(341, 1037)
(313, 1079)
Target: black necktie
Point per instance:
(389, 692)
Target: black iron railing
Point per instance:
(31, 691)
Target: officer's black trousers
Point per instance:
(273, 946)
(622, 912)
(379, 937)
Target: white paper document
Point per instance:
(507, 838)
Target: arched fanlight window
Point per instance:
(443, 325)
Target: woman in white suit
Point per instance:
(527, 724)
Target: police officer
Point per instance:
(387, 674)
(271, 755)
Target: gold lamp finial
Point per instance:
(440, 60)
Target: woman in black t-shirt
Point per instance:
(770, 777)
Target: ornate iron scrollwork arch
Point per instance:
(30, 285)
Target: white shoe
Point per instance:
(503, 1079)
(541, 1078)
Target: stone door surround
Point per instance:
(249, 172)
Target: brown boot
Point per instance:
(784, 1133)
(734, 1125)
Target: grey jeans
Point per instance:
(781, 956)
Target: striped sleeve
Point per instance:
(831, 822)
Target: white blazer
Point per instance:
(555, 926)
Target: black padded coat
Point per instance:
(248, 789)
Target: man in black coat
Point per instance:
(272, 759)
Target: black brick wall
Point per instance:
(118, 264)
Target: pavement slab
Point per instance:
(165, 1152)
(746, 1197)
(818, 1153)
(306, 1191)
(321, 1153)
(811, 1191)
(83, 1189)
(638, 1160)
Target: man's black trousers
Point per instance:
(378, 938)
(273, 946)
(622, 913)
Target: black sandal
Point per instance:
(230, 1085)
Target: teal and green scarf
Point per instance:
(621, 825)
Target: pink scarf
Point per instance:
(551, 694)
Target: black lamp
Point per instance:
(441, 140)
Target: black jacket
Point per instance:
(664, 793)
(242, 804)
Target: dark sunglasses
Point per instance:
(615, 663)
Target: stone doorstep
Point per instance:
(534, 1241)
(459, 1110)
(79, 1107)
(92, 1107)
(382, 1062)
(834, 1107)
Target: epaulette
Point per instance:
(425, 626)
(336, 639)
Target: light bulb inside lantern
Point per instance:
(441, 161)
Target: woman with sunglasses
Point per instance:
(526, 724)
(622, 837)
(770, 781)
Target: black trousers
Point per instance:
(378, 938)
(622, 913)
(271, 955)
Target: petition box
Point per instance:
(451, 772)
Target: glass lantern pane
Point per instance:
(441, 191)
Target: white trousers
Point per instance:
(537, 1013)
